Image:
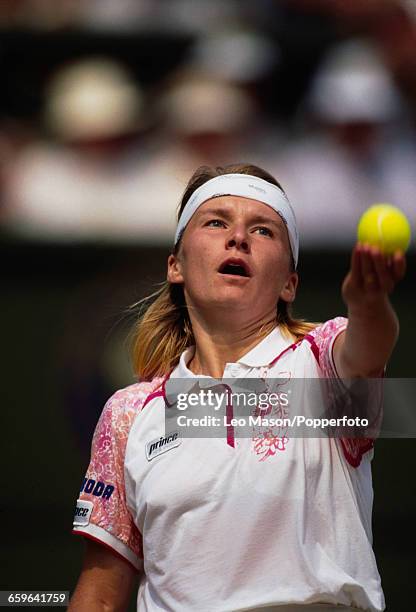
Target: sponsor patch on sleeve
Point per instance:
(83, 512)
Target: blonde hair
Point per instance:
(163, 330)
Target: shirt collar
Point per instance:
(182, 380)
(266, 350)
(261, 355)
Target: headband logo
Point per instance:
(257, 188)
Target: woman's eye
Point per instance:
(265, 231)
(215, 223)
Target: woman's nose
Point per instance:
(239, 239)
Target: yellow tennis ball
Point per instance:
(386, 227)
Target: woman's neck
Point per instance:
(214, 348)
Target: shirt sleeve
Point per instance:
(101, 512)
(322, 340)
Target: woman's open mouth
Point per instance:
(235, 267)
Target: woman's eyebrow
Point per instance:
(261, 219)
(226, 214)
(220, 212)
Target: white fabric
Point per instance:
(98, 533)
(245, 186)
(258, 525)
(253, 520)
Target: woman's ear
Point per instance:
(288, 292)
(174, 274)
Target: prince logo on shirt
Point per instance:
(156, 447)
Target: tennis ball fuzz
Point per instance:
(386, 227)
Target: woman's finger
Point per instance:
(384, 271)
(368, 270)
(356, 270)
(398, 266)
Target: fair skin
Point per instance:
(231, 314)
(373, 328)
(105, 584)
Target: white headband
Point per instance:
(245, 186)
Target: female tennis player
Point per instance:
(271, 522)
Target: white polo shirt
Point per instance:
(232, 524)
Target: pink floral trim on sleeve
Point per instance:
(322, 340)
(106, 466)
(324, 337)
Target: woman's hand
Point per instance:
(372, 277)
(365, 347)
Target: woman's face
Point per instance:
(234, 254)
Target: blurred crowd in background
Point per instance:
(108, 106)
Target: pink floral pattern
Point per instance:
(107, 462)
(323, 335)
(267, 442)
(354, 448)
